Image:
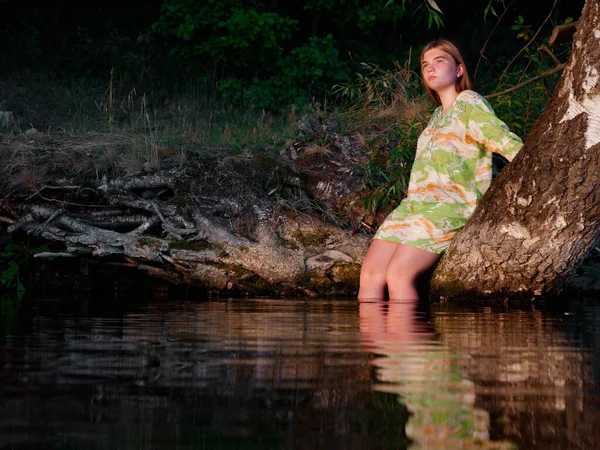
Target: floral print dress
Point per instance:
(451, 171)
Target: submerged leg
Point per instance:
(403, 269)
(374, 267)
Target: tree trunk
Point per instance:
(539, 220)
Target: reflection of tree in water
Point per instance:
(426, 374)
(295, 374)
(534, 370)
(229, 374)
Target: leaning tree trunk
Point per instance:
(540, 218)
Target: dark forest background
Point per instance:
(260, 55)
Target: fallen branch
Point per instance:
(149, 223)
(114, 264)
(64, 202)
(44, 232)
(169, 227)
(48, 255)
(526, 82)
(112, 222)
(21, 223)
(160, 180)
(49, 187)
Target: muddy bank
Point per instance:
(275, 221)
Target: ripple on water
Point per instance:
(300, 373)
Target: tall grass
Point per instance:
(389, 110)
(190, 115)
(80, 131)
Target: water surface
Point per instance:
(91, 373)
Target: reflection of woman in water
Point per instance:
(397, 322)
(424, 372)
(451, 171)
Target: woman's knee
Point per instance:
(409, 263)
(399, 275)
(370, 275)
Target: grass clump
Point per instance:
(389, 111)
(81, 132)
(162, 117)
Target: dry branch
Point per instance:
(50, 255)
(526, 82)
(562, 33)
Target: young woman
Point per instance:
(451, 171)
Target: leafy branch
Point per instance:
(529, 42)
(434, 12)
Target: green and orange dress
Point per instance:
(451, 171)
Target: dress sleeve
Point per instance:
(484, 127)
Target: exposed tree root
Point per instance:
(242, 223)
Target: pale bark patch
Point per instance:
(516, 230)
(591, 107)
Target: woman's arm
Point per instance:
(484, 127)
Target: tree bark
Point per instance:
(539, 220)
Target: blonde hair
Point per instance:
(463, 82)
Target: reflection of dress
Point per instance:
(427, 374)
(451, 171)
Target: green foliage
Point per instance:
(490, 8)
(310, 67)
(386, 173)
(9, 309)
(253, 48)
(522, 107)
(231, 88)
(523, 31)
(246, 51)
(9, 277)
(359, 14)
(434, 14)
(312, 62)
(375, 89)
(225, 31)
(16, 256)
(233, 38)
(259, 56)
(387, 101)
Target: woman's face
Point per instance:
(439, 69)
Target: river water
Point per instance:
(84, 372)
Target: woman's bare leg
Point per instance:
(403, 269)
(374, 268)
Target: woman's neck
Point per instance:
(447, 97)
